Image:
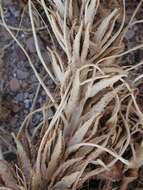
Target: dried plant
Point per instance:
(92, 132)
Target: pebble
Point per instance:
(19, 97)
(23, 35)
(31, 45)
(14, 84)
(15, 108)
(26, 95)
(38, 117)
(27, 103)
(24, 85)
(22, 74)
(35, 120)
(31, 96)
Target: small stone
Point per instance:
(24, 85)
(23, 35)
(22, 74)
(26, 95)
(14, 74)
(14, 84)
(38, 117)
(30, 96)
(31, 45)
(27, 103)
(19, 97)
(15, 108)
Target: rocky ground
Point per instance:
(18, 83)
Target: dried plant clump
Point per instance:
(92, 134)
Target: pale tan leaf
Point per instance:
(113, 69)
(71, 9)
(56, 67)
(56, 155)
(36, 183)
(23, 160)
(102, 29)
(84, 151)
(104, 83)
(113, 119)
(77, 44)
(138, 161)
(99, 107)
(82, 131)
(66, 80)
(57, 33)
(67, 181)
(90, 10)
(63, 168)
(85, 47)
(104, 101)
(95, 127)
(60, 6)
(109, 33)
(74, 95)
(46, 153)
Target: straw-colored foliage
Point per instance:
(92, 132)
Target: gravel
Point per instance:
(22, 74)
(14, 84)
(28, 103)
(19, 97)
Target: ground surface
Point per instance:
(18, 83)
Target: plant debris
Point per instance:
(96, 116)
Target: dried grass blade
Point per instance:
(85, 47)
(77, 44)
(102, 29)
(23, 160)
(67, 181)
(56, 67)
(64, 167)
(90, 10)
(104, 83)
(74, 95)
(60, 6)
(56, 155)
(82, 131)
